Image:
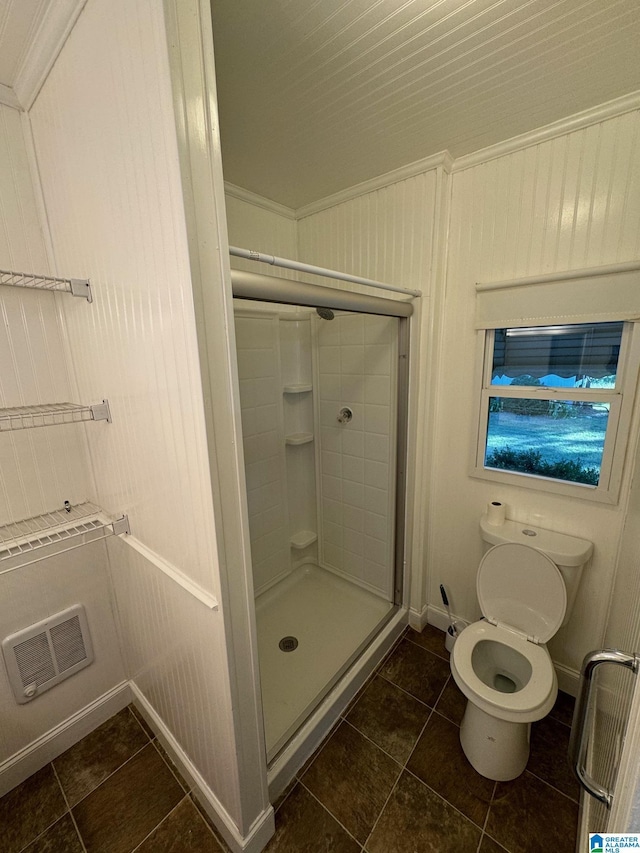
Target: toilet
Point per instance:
(526, 584)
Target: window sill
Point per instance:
(580, 491)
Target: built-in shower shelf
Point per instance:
(296, 438)
(74, 286)
(52, 414)
(299, 388)
(301, 540)
(25, 542)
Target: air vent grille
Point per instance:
(34, 660)
(68, 644)
(43, 655)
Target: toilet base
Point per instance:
(497, 749)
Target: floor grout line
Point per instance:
(73, 819)
(486, 819)
(137, 847)
(329, 812)
(174, 772)
(113, 772)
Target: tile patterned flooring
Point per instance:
(391, 778)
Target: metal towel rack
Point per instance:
(578, 741)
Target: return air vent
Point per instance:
(45, 654)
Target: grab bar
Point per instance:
(578, 741)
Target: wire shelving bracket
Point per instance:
(52, 414)
(75, 286)
(25, 542)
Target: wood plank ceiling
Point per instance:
(19, 20)
(317, 95)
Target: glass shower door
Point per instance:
(319, 413)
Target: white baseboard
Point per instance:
(568, 679)
(53, 743)
(264, 825)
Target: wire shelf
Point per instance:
(74, 286)
(51, 414)
(25, 542)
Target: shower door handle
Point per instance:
(578, 741)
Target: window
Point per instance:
(555, 407)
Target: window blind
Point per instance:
(596, 295)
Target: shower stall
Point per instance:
(323, 402)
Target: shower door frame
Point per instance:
(353, 675)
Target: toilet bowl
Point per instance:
(501, 663)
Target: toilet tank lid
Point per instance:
(564, 550)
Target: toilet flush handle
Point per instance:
(579, 734)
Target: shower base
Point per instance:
(332, 620)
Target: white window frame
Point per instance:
(620, 402)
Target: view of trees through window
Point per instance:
(558, 438)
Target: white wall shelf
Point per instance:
(25, 542)
(298, 388)
(52, 414)
(297, 438)
(74, 286)
(301, 540)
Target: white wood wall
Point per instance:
(567, 203)
(41, 468)
(104, 134)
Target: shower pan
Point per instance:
(323, 405)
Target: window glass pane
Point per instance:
(551, 438)
(578, 356)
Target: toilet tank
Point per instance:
(569, 553)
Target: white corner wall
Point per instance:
(40, 469)
(567, 203)
(104, 133)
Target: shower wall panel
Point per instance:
(257, 342)
(357, 368)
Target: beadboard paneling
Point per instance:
(40, 468)
(105, 139)
(174, 650)
(251, 226)
(35, 592)
(384, 235)
(106, 149)
(572, 202)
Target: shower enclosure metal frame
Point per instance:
(263, 288)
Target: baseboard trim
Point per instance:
(262, 828)
(53, 743)
(568, 679)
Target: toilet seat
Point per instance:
(532, 702)
(523, 589)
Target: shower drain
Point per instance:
(288, 644)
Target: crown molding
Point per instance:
(577, 121)
(54, 29)
(8, 97)
(441, 159)
(258, 201)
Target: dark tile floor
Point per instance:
(391, 778)
(113, 792)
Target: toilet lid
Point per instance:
(522, 588)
